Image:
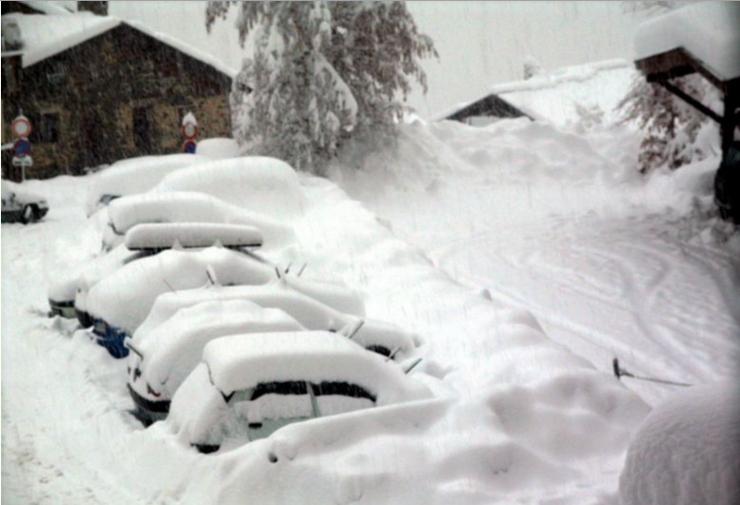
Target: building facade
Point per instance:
(120, 93)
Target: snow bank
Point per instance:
(191, 235)
(259, 184)
(174, 348)
(219, 148)
(136, 175)
(687, 452)
(192, 207)
(710, 31)
(124, 298)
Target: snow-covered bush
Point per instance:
(687, 452)
(320, 73)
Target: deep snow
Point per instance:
(514, 218)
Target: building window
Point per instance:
(45, 127)
(142, 129)
(49, 127)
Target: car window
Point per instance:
(342, 389)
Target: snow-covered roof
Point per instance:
(556, 96)
(709, 31)
(47, 35)
(51, 7)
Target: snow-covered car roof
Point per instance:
(709, 31)
(261, 184)
(160, 236)
(191, 207)
(124, 298)
(136, 175)
(174, 348)
(280, 294)
(241, 362)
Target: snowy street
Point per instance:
(370, 253)
(606, 265)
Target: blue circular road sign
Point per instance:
(22, 147)
(189, 146)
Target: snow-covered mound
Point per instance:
(259, 184)
(687, 452)
(136, 175)
(192, 207)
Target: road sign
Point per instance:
(189, 146)
(21, 127)
(23, 162)
(22, 147)
(189, 130)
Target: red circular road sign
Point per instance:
(189, 146)
(189, 130)
(21, 127)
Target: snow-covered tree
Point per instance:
(532, 68)
(671, 125)
(322, 72)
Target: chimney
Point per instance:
(99, 8)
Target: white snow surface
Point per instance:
(136, 175)
(192, 207)
(191, 235)
(687, 452)
(709, 31)
(489, 226)
(175, 348)
(260, 184)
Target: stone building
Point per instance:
(97, 89)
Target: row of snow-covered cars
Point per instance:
(220, 339)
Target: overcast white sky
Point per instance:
(480, 43)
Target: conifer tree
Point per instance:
(322, 72)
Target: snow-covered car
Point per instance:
(120, 302)
(260, 184)
(288, 295)
(135, 175)
(187, 207)
(158, 366)
(20, 205)
(67, 296)
(249, 386)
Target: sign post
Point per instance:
(21, 128)
(189, 131)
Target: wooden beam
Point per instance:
(691, 100)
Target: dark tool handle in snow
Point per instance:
(621, 372)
